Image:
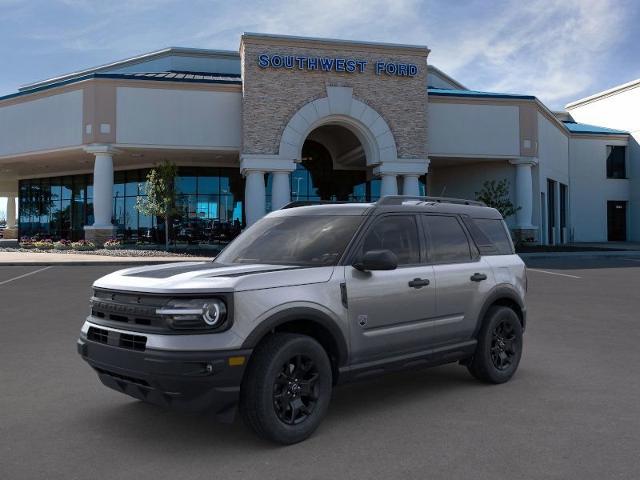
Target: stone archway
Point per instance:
(340, 108)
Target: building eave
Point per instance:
(603, 94)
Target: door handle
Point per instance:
(419, 282)
(478, 277)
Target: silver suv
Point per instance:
(310, 297)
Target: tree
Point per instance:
(496, 194)
(160, 199)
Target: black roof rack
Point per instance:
(399, 199)
(307, 203)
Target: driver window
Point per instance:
(397, 233)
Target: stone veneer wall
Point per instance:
(271, 96)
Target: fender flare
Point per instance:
(500, 292)
(301, 313)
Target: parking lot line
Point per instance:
(552, 273)
(25, 275)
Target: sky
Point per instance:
(557, 50)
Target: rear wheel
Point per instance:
(499, 346)
(287, 388)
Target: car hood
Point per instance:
(193, 277)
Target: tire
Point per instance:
(499, 346)
(287, 388)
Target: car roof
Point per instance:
(392, 204)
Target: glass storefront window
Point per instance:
(210, 206)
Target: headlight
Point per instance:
(209, 313)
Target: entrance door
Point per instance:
(617, 221)
(390, 311)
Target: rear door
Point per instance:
(389, 310)
(462, 277)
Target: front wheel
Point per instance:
(499, 346)
(287, 388)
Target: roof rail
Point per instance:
(307, 203)
(399, 199)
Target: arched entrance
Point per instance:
(333, 167)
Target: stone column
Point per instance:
(254, 196)
(410, 185)
(524, 196)
(102, 228)
(389, 184)
(11, 211)
(11, 232)
(280, 190)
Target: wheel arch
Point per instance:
(507, 296)
(305, 321)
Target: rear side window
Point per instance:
(447, 240)
(490, 235)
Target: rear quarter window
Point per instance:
(491, 235)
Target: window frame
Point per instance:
(352, 250)
(608, 150)
(474, 252)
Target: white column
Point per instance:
(280, 190)
(524, 192)
(254, 196)
(410, 185)
(389, 184)
(103, 189)
(11, 211)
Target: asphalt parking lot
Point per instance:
(571, 412)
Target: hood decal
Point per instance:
(227, 270)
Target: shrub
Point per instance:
(62, 245)
(26, 242)
(43, 244)
(83, 245)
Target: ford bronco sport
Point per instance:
(310, 297)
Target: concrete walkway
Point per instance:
(33, 258)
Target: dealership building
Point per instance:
(290, 118)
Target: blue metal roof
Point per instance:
(575, 127)
(444, 92)
(173, 76)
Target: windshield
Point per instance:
(314, 241)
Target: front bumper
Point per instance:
(194, 381)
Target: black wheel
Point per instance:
(287, 388)
(499, 346)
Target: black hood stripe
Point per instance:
(178, 269)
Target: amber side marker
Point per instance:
(236, 361)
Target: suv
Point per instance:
(310, 297)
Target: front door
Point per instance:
(389, 311)
(617, 221)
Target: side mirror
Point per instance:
(377, 260)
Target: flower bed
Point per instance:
(113, 244)
(83, 245)
(62, 245)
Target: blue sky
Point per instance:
(557, 50)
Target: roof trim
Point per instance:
(118, 76)
(423, 49)
(593, 129)
(132, 61)
(443, 92)
(604, 93)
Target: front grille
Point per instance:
(122, 340)
(98, 335)
(133, 342)
(128, 310)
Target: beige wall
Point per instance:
(272, 96)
